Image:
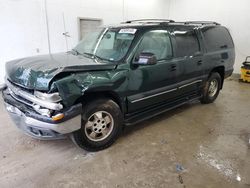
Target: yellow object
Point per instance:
(245, 75)
(245, 71)
(57, 117)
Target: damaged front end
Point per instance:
(40, 92)
(41, 115)
(45, 92)
(52, 114)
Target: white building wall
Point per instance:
(23, 25)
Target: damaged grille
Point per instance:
(12, 88)
(28, 98)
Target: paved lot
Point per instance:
(193, 146)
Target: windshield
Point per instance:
(109, 44)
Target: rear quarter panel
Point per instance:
(219, 57)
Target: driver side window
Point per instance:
(157, 42)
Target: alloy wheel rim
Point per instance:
(99, 126)
(213, 88)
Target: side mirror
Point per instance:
(146, 58)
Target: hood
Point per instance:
(37, 72)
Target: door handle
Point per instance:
(223, 46)
(173, 67)
(199, 62)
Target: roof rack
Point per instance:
(166, 21)
(201, 23)
(150, 21)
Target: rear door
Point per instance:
(188, 50)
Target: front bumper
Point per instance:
(41, 127)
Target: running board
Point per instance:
(139, 117)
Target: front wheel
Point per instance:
(101, 125)
(212, 88)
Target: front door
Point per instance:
(153, 84)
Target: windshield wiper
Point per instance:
(94, 56)
(74, 52)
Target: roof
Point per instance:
(142, 23)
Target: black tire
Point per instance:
(81, 137)
(206, 94)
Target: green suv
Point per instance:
(117, 76)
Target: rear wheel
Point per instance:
(101, 125)
(212, 88)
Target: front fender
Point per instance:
(74, 86)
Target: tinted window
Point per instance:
(187, 43)
(156, 42)
(217, 38)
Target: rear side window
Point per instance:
(187, 43)
(217, 38)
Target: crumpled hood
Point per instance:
(37, 72)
